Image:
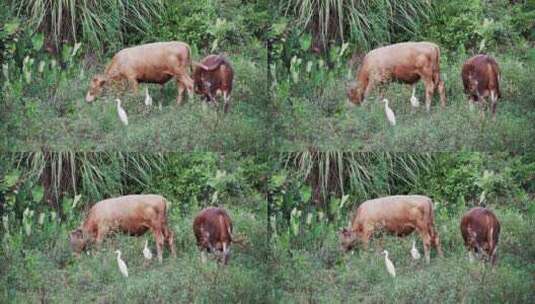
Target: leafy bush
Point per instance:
(96, 23)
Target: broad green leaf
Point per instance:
(37, 41)
(38, 193)
(11, 178)
(11, 27)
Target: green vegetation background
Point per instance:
(317, 50)
(40, 206)
(49, 51)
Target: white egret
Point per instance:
(414, 100)
(414, 252)
(121, 112)
(389, 265)
(146, 251)
(148, 99)
(122, 264)
(389, 113)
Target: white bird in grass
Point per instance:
(122, 264)
(389, 265)
(121, 112)
(414, 100)
(414, 252)
(146, 251)
(148, 99)
(389, 113)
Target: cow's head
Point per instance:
(77, 241)
(348, 239)
(355, 94)
(95, 87)
(473, 84)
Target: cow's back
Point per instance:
(405, 53)
(220, 78)
(483, 223)
(151, 59)
(216, 222)
(392, 206)
(129, 206)
(485, 70)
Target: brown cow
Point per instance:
(212, 77)
(131, 214)
(399, 215)
(148, 63)
(481, 79)
(406, 62)
(481, 229)
(213, 230)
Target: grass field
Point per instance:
(41, 268)
(313, 111)
(310, 268)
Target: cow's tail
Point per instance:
(436, 72)
(165, 215)
(435, 239)
(493, 69)
(189, 60)
(431, 213)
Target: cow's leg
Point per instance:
(470, 255)
(369, 87)
(203, 256)
(101, 233)
(471, 102)
(159, 239)
(436, 243)
(494, 100)
(414, 100)
(365, 238)
(226, 252)
(482, 106)
(226, 99)
(426, 240)
(169, 238)
(494, 255)
(181, 88)
(132, 82)
(442, 92)
(429, 89)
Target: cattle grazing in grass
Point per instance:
(213, 231)
(399, 215)
(481, 229)
(130, 214)
(406, 62)
(481, 79)
(212, 77)
(148, 63)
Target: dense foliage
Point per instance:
(309, 265)
(310, 85)
(43, 82)
(35, 254)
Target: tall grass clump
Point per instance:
(368, 22)
(98, 23)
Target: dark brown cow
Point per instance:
(213, 230)
(481, 79)
(481, 229)
(399, 215)
(148, 63)
(131, 214)
(212, 77)
(406, 62)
